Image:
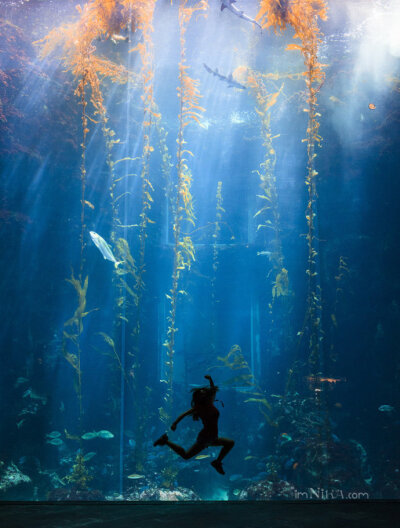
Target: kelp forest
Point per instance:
(199, 189)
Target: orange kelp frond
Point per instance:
(241, 72)
(105, 68)
(279, 13)
(190, 95)
(273, 13)
(265, 100)
(97, 19)
(186, 12)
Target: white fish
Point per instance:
(104, 248)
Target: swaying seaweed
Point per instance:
(188, 94)
(73, 335)
(145, 48)
(303, 16)
(246, 381)
(269, 212)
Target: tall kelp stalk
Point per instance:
(98, 19)
(188, 94)
(219, 210)
(268, 215)
(303, 16)
(146, 52)
(144, 21)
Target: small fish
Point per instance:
(371, 106)
(201, 457)
(104, 248)
(20, 381)
(55, 441)
(295, 465)
(386, 408)
(286, 437)
(115, 38)
(317, 379)
(70, 436)
(264, 253)
(250, 457)
(89, 436)
(135, 476)
(34, 396)
(54, 434)
(236, 492)
(105, 434)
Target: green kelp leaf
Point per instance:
(72, 337)
(242, 380)
(164, 416)
(107, 339)
(72, 360)
(81, 290)
(260, 400)
(271, 422)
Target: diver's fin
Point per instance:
(217, 464)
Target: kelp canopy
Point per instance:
(99, 19)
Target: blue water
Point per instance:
(319, 423)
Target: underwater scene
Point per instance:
(200, 273)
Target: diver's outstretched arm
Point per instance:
(173, 426)
(210, 380)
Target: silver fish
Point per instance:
(104, 248)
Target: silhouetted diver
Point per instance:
(203, 408)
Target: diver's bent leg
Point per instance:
(177, 448)
(227, 444)
(191, 452)
(194, 450)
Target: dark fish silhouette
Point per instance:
(229, 5)
(229, 79)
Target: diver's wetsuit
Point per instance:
(209, 416)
